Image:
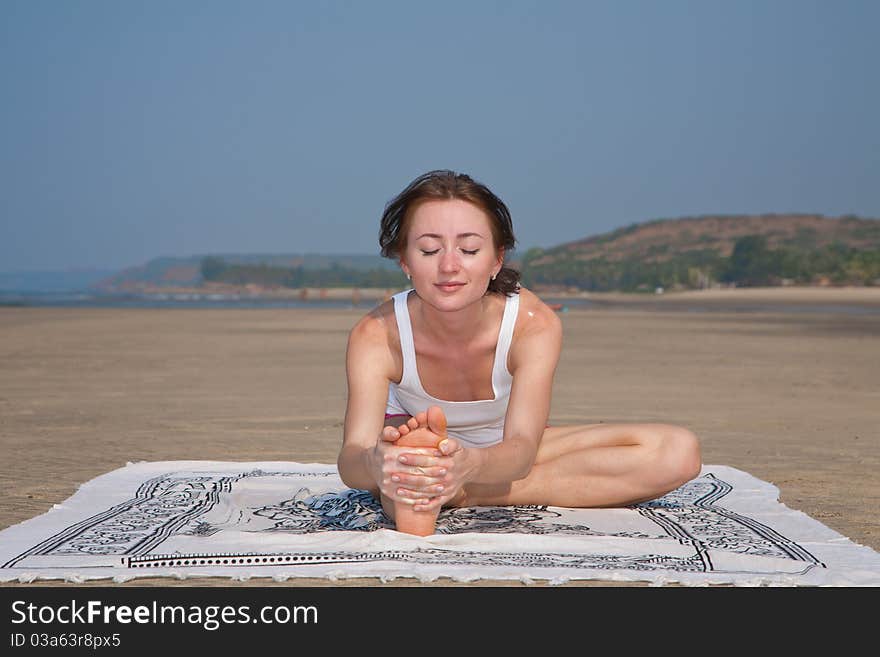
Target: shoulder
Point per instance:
(372, 344)
(537, 335)
(376, 328)
(535, 318)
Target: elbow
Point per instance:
(523, 472)
(526, 461)
(343, 468)
(353, 471)
(684, 456)
(343, 475)
(350, 480)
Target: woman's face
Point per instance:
(450, 253)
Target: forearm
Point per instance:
(355, 469)
(507, 461)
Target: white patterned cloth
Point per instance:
(286, 520)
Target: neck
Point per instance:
(455, 327)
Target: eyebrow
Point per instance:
(460, 235)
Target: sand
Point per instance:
(787, 391)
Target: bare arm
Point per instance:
(534, 356)
(368, 458)
(367, 365)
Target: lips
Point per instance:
(449, 287)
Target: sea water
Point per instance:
(89, 299)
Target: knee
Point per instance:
(683, 451)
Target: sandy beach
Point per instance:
(780, 383)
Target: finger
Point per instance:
(449, 446)
(393, 462)
(420, 479)
(426, 457)
(427, 472)
(431, 504)
(437, 502)
(418, 496)
(411, 497)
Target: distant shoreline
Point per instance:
(788, 292)
(866, 296)
(840, 300)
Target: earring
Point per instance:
(494, 275)
(409, 277)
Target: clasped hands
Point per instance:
(425, 477)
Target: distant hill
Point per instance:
(694, 252)
(687, 252)
(187, 271)
(52, 281)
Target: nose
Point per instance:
(449, 261)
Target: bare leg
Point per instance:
(429, 431)
(600, 465)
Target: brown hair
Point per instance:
(444, 184)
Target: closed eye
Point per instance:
(435, 251)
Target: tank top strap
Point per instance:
(505, 336)
(500, 375)
(407, 344)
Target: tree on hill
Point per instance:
(751, 264)
(219, 271)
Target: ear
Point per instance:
(500, 258)
(403, 267)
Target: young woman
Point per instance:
(463, 364)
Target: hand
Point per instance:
(406, 474)
(428, 481)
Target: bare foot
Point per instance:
(426, 429)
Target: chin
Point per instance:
(456, 300)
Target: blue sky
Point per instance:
(132, 130)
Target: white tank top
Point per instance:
(474, 423)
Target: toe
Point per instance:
(436, 420)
